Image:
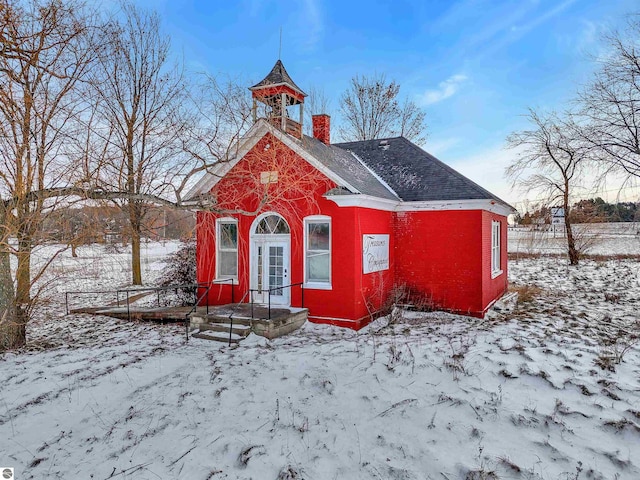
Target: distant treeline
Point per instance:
(593, 210)
(109, 224)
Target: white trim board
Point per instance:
(367, 201)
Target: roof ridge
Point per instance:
(375, 174)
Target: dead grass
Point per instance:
(526, 293)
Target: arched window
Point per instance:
(272, 224)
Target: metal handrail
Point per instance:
(199, 299)
(129, 290)
(73, 292)
(269, 290)
(233, 310)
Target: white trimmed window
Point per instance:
(317, 252)
(227, 248)
(495, 249)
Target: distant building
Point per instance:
(353, 222)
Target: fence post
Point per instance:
(269, 294)
(302, 295)
(128, 311)
(232, 295)
(66, 301)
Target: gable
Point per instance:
(269, 174)
(336, 164)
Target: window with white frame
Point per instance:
(227, 248)
(317, 241)
(495, 249)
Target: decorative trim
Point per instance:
(306, 221)
(219, 223)
(365, 201)
(317, 286)
(368, 201)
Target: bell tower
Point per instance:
(280, 98)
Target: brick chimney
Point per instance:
(322, 127)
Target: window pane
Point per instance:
(318, 267)
(318, 236)
(227, 263)
(272, 224)
(228, 235)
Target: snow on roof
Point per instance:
(414, 174)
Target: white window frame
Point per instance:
(219, 222)
(496, 249)
(309, 221)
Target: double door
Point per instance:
(270, 272)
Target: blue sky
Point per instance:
(474, 65)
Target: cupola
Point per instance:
(282, 99)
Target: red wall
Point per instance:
(353, 295)
(438, 254)
(442, 255)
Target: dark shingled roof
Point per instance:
(414, 174)
(347, 167)
(278, 75)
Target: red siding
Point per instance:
(353, 295)
(438, 254)
(372, 289)
(442, 255)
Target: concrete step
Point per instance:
(217, 336)
(240, 330)
(212, 318)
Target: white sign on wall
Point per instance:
(375, 253)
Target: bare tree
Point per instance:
(221, 117)
(370, 109)
(316, 102)
(140, 94)
(611, 102)
(46, 53)
(551, 159)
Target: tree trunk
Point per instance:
(574, 255)
(10, 335)
(23, 289)
(135, 221)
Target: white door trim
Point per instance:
(265, 241)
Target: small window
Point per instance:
(227, 252)
(272, 224)
(318, 251)
(495, 249)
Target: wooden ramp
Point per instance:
(152, 314)
(215, 323)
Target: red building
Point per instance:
(348, 224)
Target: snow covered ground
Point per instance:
(591, 238)
(534, 393)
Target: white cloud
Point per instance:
(314, 25)
(440, 146)
(486, 168)
(445, 89)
